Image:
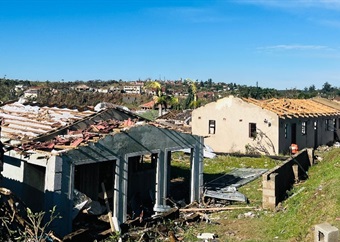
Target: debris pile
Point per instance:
(18, 222)
(74, 138)
(223, 190)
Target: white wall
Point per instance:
(232, 116)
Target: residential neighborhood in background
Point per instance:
(79, 146)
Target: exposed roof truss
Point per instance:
(298, 108)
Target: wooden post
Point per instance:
(109, 213)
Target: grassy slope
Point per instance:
(315, 201)
(319, 202)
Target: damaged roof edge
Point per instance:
(138, 139)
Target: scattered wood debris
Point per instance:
(17, 223)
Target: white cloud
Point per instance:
(301, 51)
(295, 47)
(289, 4)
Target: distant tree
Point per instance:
(161, 99)
(209, 84)
(192, 100)
(201, 84)
(312, 88)
(326, 88)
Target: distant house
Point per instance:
(133, 89)
(147, 106)
(115, 89)
(103, 90)
(82, 88)
(20, 87)
(265, 126)
(32, 92)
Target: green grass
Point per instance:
(313, 201)
(318, 201)
(150, 114)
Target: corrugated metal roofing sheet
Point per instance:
(30, 127)
(25, 122)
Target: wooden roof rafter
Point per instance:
(319, 109)
(282, 110)
(295, 107)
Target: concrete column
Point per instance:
(166, 177)
(295, 168)
(326, 232)
(200, 168)
(161, 183)
(310, 153)
(196, 163)
(269, 199)
(59, 188)
(53, 176)
(168, 173)
(120, 190)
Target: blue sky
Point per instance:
(277, 43)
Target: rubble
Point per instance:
(17, 221)
(223, 189)
(207, 236)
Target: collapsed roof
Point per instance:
(32, 127)
(27, 126)
(289, 108)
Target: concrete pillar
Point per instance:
(161, 183)
(168, 173)
(120, 190)
(59, 187)
(310, 153)
(269, 199)
(200, 168)
(326, 233)
(53, 176)
(196, 164)
(166, 181)
(295, 168)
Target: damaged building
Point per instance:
(267, 127)
(53, 154)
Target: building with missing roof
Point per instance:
(245, 125)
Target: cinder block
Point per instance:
(268, 202)
(268, 206)
(271, 185)
(268, 192)
(58, 164)
(57, 181)
(272, 200)
(326, 233)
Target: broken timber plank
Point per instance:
(212, 209)
(109, 213)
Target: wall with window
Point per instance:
(232, 125)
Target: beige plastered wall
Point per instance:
(232, 116)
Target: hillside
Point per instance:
(311, 202)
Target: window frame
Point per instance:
(212, 126)
(252, 130)
(304, 127)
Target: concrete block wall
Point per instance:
(281, 178)
(326, 232)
